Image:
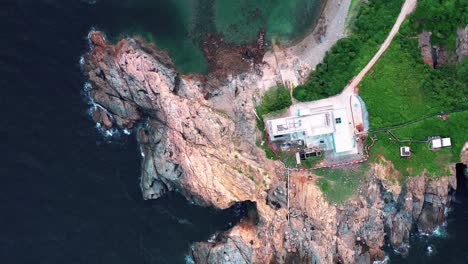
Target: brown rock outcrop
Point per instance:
(464, 154)
(205, 147)
(462, 43)
(426, 47)
(184, 134)
(434, 55)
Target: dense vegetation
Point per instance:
(275, 99)
(441, 17)
(349, 55)
(401, 87)
(436, 163)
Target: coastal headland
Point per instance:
(198, 135)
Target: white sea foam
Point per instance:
(142, 153)
(384, 261)
(447, 210)
(439, 231)
(402, 249)
(87, 87)
(212, 239)
(88, 37)
(82, 62)
(109, 133)
(430, 250)
(189, 259)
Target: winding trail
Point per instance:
(383, 129)
(351, 88)
(406, 9)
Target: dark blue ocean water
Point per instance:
(67, 195)
(448, 243)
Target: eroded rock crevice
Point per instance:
(198, 136)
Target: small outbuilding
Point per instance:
(438, 142)
(405, 151)
(446, 142)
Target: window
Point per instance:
(338, 120)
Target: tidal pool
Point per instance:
(179, 26)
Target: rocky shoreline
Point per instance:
(201, 140)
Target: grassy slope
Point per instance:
(396, 90)
(275, 100)
(435, 163)
(349, 55)
(393, 90)
(339, 184)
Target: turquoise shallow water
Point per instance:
(180, 25)
(240, 20)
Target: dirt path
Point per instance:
(406, 9)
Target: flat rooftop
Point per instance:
(312, 125)
(343, 138)
(334, 120)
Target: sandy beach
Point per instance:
(329, 28)
(294, 63)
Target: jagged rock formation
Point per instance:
(202, 141)
(187, 144)
(464, 154)
(424, 40)
(462, 43)
(436, 56)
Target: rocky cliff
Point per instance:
(202, 141)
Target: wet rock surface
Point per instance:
(205, 148)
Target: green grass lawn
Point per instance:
(423, 158)
(400, 87)
(349, 55)
(339, 184)
(394, 89)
